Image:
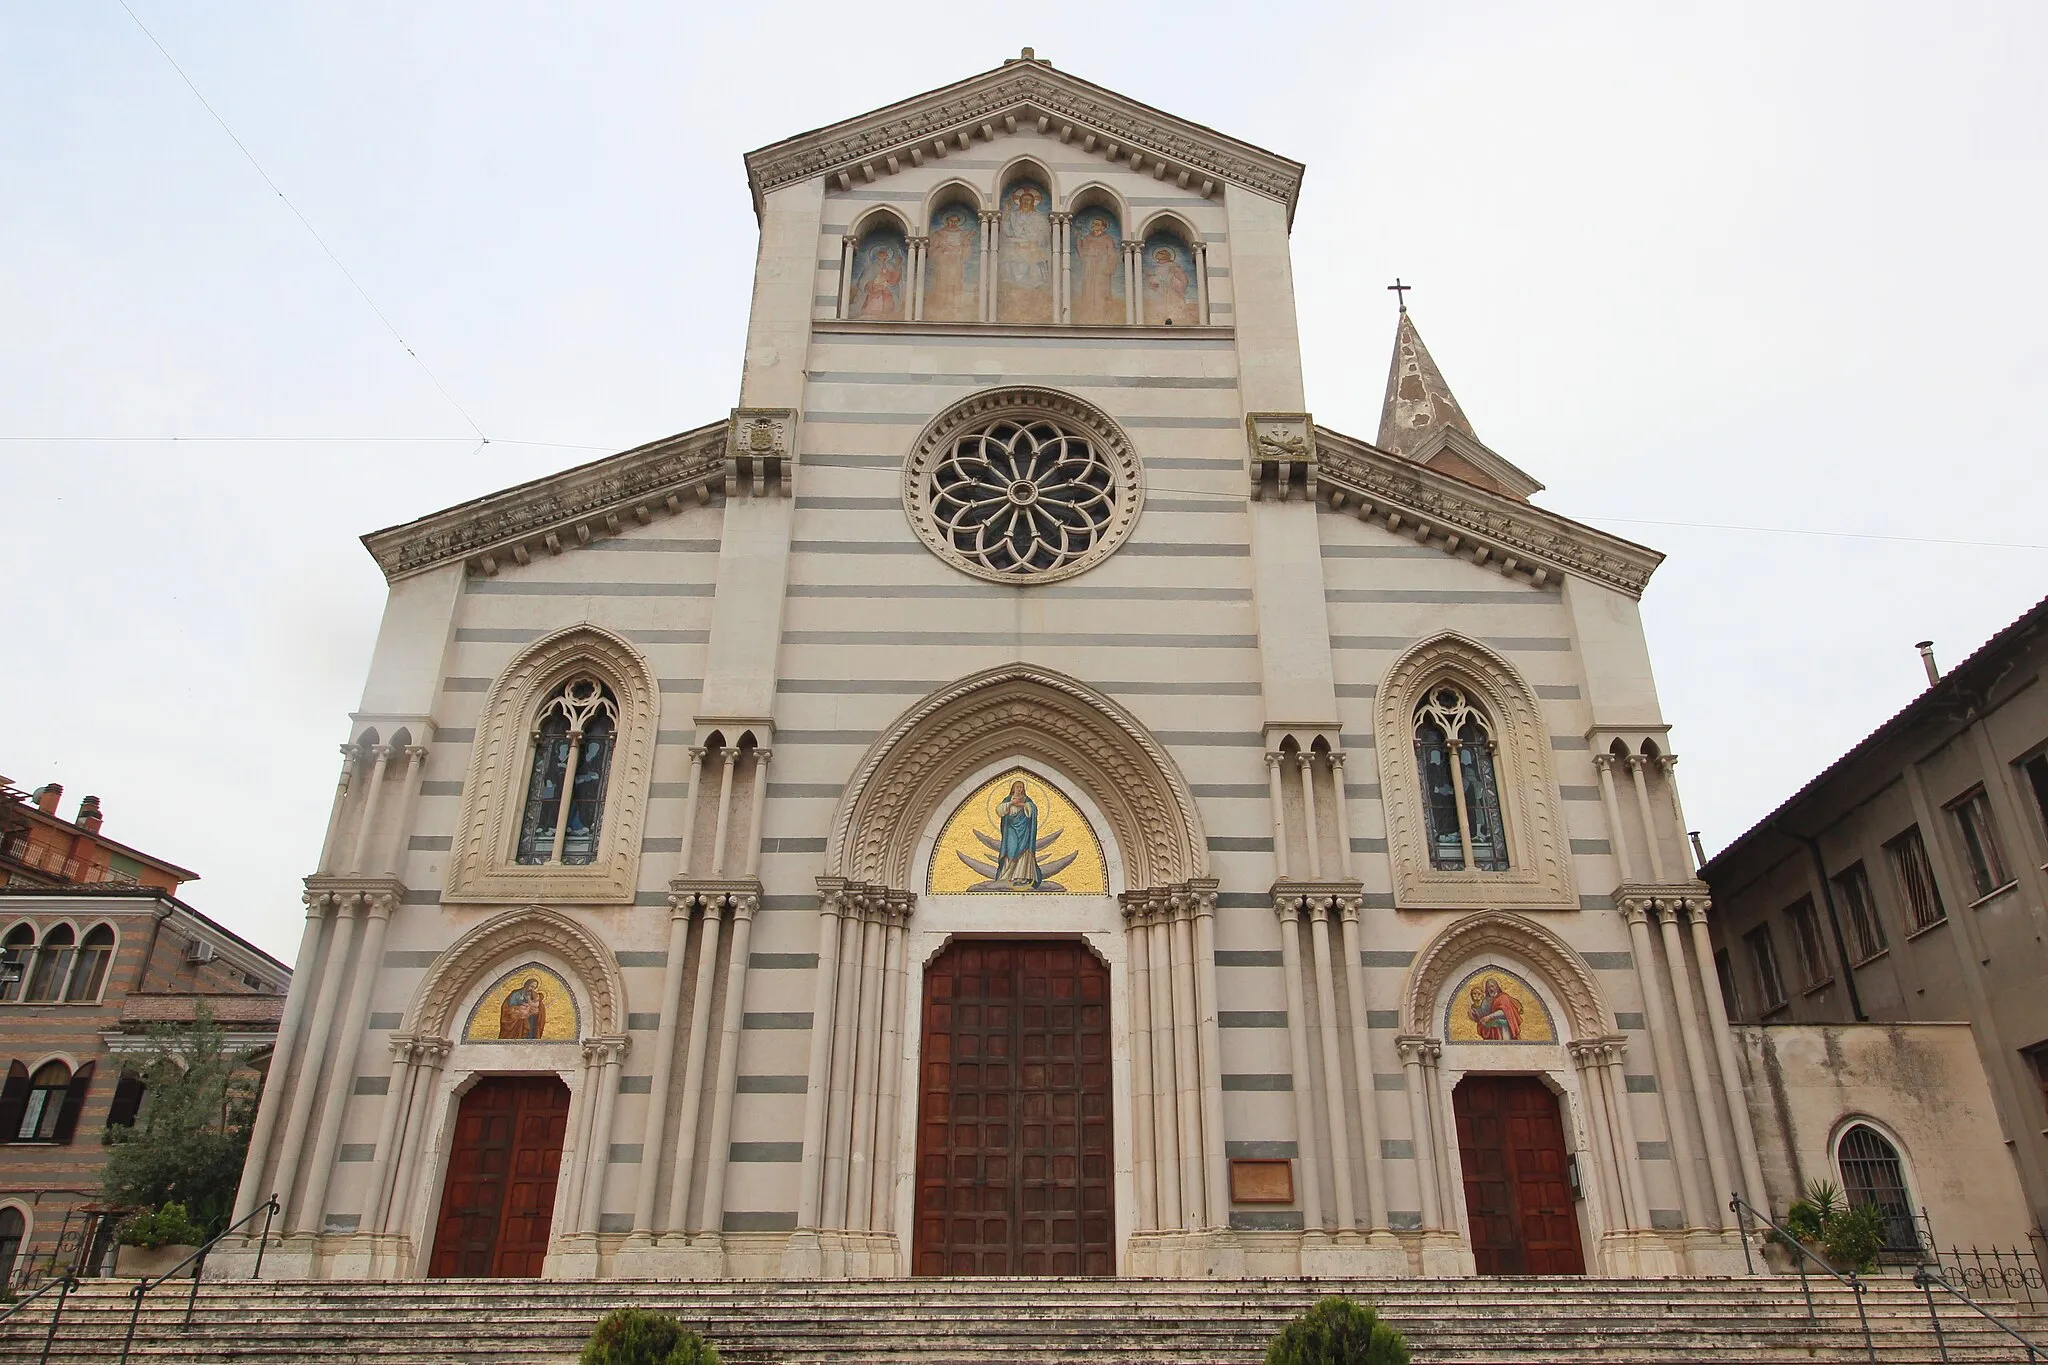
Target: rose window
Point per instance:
(1020, 494)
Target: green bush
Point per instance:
(639, 1336)
(1338, 1331)
(1825, 1222)
(170, 1225)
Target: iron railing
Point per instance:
(1998, 1273)
(1929, 1282)
(63, 1285)
(197, 1260)
(1743, 1212)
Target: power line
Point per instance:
(294, 440)
(303, 221)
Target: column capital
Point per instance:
(1063, 217)
(1416, 1048)
(606, 1050)
(404, 1047)
(433, 1051)
(1603, 762)
(1336, 757)
(1287, 907)
(416, 752)
(1636, 763)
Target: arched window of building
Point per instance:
(89, 970)
(53, 964)
(565, 788)
(1873, 1174)
(13, 1228)
(127, 1103)
(1455, 751)
(15, 952)
(44, 1106)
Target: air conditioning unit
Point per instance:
(197, 952)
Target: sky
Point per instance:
(1757, 284)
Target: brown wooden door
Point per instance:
(499, 1197)
(1518, 1197)
(1013, 1160)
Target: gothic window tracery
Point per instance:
(573, 740)
(1455, 754)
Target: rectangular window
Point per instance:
(1915, 877)
(1813, 957)
(1731, 1000)
(1763, 955)
(1866, 930)
(2036, 769)
(2037, 1061)
(1980, 842)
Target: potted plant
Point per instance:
(1847, 1238)
(1338, 1331)
(155, 1240)
(640, 1336)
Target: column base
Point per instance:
(803, 1258)
(1446, 1254)
(1710, 1251)
(1632, 1254)
(1209, 1254)
(672, 1256)
(574, 1256)
(1354, 1255)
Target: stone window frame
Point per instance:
(484, 867)
(1539, 872)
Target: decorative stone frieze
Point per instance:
(560, 512)
(1283, 455)
(1512, 536)
(760, 452)
(952, 118)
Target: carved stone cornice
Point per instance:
(375, 894)
(1512, 536)
(861, 902)
(1024, 92)
(1648, 900)
(1188, 900)
(740, 896)
(560, 512)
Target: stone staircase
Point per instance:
(1008, 1322)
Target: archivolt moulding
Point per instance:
(1017, 711)
(1495, 931)
(491, 943)
(1539, 872)
(482, 868)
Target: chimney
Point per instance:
(48, 796)
(1926, 648)
(89, 815)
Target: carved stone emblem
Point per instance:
(1283, 454)
(757, 452)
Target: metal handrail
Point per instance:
(1744, 1211)
(268, 1209)
(1927, 1279)
(63, 1284)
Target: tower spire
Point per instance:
(1419, 402)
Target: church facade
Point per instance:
(1017, 796)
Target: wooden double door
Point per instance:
(1014, 1169)
(498, 1200)
(1518, 1192)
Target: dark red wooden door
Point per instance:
(1013, 1160)
(499, 1197)
(1518, 1197)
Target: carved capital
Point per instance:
(404, 1047)
(760, 451)
(1603, 762)
(1418, 1049)
(434, 1051)
(380, 903)
(1288, 907)
(1282, 454)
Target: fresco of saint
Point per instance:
(1497, 1015)
(1170, 293)
(524, 1013)
(878, 270)
(952, 269)
(1024, 259)
(1097, 269)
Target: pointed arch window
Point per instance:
(15, 955)
(1873, 1174)
(1456, 755)
(89, 968)
(53, 964)
(573, 740)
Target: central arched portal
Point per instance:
(1015, 1167)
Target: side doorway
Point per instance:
(498, 1200)
(1518, 1192)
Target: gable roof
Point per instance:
(1421, 420)
(581, 503)
(1029, 90)
(1459, 517)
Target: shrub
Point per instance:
(1338, 1331)
(170, 1225)
(638, 1336)
(1823, 1220)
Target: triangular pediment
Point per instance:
(561, 511)
(1450, 451)
(1023, 92)
(1496, 530)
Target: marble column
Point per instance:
(712, 1218)
(1278, 799)
(328, 851)
(710, 914)
(409, 796)
(1637, 909)
(1165, 1082)
(846, 249)
(1288, 908)
(309, 972)
(610, 1051)
(306, 1085)
(894, 983)
(817, 1093)
(430, 1056)
(1215, 1167)
(1604, 765)
(1421, 1129)
(397, 1092)
(378, 906)
(1201, 252)
(1144, 1163)
(1333, 1060)
(1616, 1062)
(370, 798)
(1653, 845)
(1695, 1061)
(1588, 1060)
(1349, 908)
(690, 804)
(867, 1072)
(757, 803)
(1724, 1052)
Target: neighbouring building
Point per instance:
(1016, 796)
(1903, 889)
(94, 949)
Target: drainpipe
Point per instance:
(1827, 895)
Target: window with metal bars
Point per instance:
(1980, 842)
(1873, 1174)
(1763, 956)
(1866, 930)
(1813, 956)
(1915, 877)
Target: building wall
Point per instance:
(1920, 1086)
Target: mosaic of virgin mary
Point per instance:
(1016, 846)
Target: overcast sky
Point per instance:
(1727, 265)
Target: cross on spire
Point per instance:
(1400, 292)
